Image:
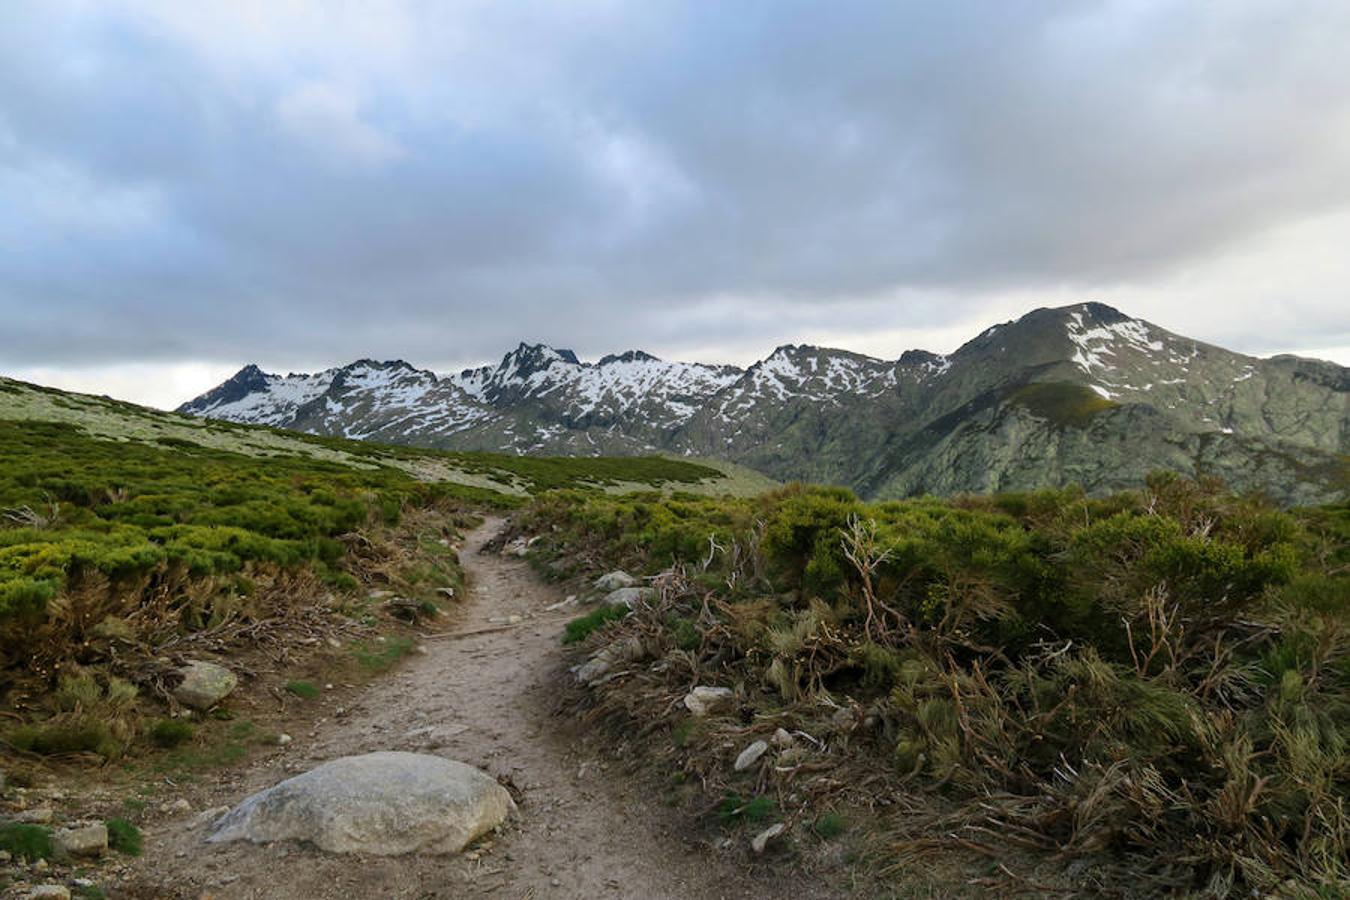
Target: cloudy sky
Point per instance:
(186, 187)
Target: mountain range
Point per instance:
(1081, 394)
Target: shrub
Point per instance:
(124, 837)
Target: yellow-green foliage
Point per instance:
(1166, 670)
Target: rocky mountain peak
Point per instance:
(1079, 393)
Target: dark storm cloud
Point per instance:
(289, 182)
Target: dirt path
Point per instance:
(484, 700)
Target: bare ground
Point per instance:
(584, 830)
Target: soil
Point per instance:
(487, 699)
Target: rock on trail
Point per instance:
(387, 804)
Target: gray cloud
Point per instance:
(181, 184)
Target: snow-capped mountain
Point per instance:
(1078, 394)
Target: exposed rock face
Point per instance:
(204, 684)
(387, 804)
(1082, 394)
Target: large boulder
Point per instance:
(387, 803)
(204, 684)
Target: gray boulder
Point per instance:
(204, 684)
(629, 596)
(613, 581)
(387, 804)
(750, 755)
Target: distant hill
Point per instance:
(1080, 394)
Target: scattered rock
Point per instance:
(85, 840)
(447, 591)
(176, 807)
(38, 815)
(618, 653)
(49, 892)
(751, 754)
(283, 739)
(629, 596)
(387, 804)
(762, 839)
(704, 701)
(204, 684)
(782, 739)
(613, 581)
(380, 595)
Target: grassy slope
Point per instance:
(124, 529)
(1156, 684)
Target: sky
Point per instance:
(189, 187)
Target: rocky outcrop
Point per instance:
(1083, 394)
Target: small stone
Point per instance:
(762, 839)
(209, 816)
(704, 700)
(335, 643)
(49, 892)
(85, 840)
(750, 755)
(41, 866)
(204, 684)
(38, 815)
(592, 670)
(176, 807)
(782, 739)
(5, 856)
(283, 739)
(613, 581)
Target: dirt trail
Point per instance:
(484, 700)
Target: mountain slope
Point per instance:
(1079, 394)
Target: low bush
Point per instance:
(1157, 681)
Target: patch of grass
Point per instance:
(305, 690)
(380, 656)
(124, 837)
(1061, 402)
(56, 739)
(683, 732)
(170, 733)
(734, 808)
(685, 633)
(26, 842)
(830, 825)
(580, 628)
